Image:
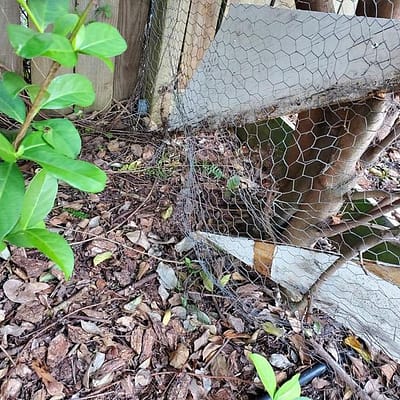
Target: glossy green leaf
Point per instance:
(67, 90)
(48, 11)
(38, 200)
(7, 152)
(28, 43)
(60, 50)
(13, 83)
(12, 106)
(2, 246)
(33, 90)
(100, 40)
(12, 190)
(19, 35)
(289, 390)
(265, 373)
(65, 24)
(79, 174)
(54, 246)
(61, 134)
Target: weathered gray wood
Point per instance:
(132, 21)
(95, 69)
(363, 302)
(165, 46)
(367, 303)
(9, 14)
(200, 31)
(266, 62)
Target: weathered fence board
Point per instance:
(132, 20)
(168, 32)
(200, 31)
(9, 14)
(367, 303)
(95, 69)
(266, 62)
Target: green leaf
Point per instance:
(61, 134)
(79, 174)
(265, 373)
(65, 24)
(7, 152)
(38, 200)
(11, 105)
(67, 90)
(99, 258)
(100, 40)
(19, 35)
(28, 43)
(12, 190)
(289, 390)
(207, 282)
(13, 83)
(48, 11)
(60, 50)
(54, 246)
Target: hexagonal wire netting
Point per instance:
(291, 120)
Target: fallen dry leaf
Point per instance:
(142, 378)
(356, 345)
(388, 371)
(23, 292)
(58, 349)
(201, 341)
(219, 366)
(280, 361)
(53, 387)
(10, 388)
(179, 357)
(180, 388)
(139, 238)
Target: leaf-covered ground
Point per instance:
(137, 320)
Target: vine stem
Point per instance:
(33, 19)
(36, 104)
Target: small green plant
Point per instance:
(76, 213)
(53, 144)
(211, 170)
(290, 390)
(233, 183)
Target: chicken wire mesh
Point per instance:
(291, 121)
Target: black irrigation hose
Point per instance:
(306, 377)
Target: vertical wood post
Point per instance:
(169, 21)
(9, 14)
(132, 20)
(95, 69)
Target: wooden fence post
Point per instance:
(132, 20)
(200, 31)
(95, 69)
(169, 21)
(9, 14)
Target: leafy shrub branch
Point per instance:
(52, 144)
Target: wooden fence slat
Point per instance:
(9, 14)
(200, 31)
(166, 40)
(95, 69)
(132, 20)
(40, 67)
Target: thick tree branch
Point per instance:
(373, 152)
(375, 213)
